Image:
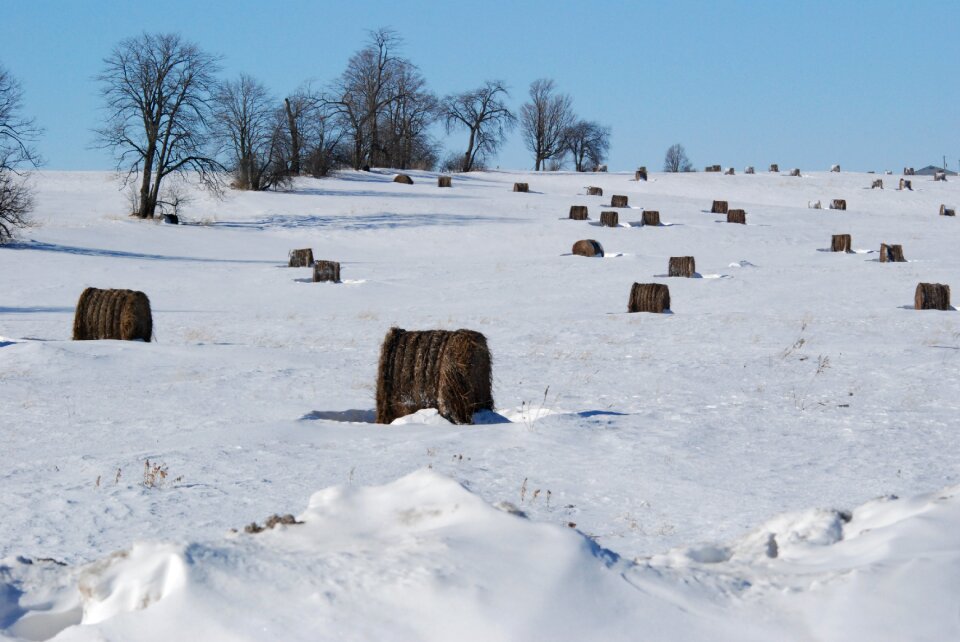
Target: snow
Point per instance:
(788, 388)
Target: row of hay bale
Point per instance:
(889, 253)
(612, 219)
(405, 179)
(323, 271)
(733, 215)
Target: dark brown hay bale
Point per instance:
(719, 207)
(729, 172)
(578, 212)
(442, 369)
(444, 181)
(365, 168)
(932, 296)
(618, 200)
(737, 216)
(838, 204)
(521, 187)
(905, 184)
(835, 168)
(651, 217)
(940, 176)
(946, 211)
(640, 174)
(649, 297)
(794, 172)
(749, 170)
(171, 219)
(682, 266)
(326, 271)
(878, 183)
(908, 171)
(712, 168)
(403, 178)
(609, 219)
(891, 253)
(594, 191)
(587, 247)
(301, 258)
(113, 314)
(840, 243)
(774, 167)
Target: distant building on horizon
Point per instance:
(930, 170)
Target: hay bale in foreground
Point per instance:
(578, 212)
(905, 184)
(737, 216)
(946, 211)
(682, 266)
(609, 219)
(324, 271)
(840, 243)
(877, 183)
(521, 187)
(301, 258)
(838, 204)
(719, 207)
(640, 174)
(891, 253)
(749, 170)
(618, 200)
(651, 217)
(587, 247)
(594, 191)
(403, 178)
(171, 219)
(774, 167)
(649, 297)
(795, 172)
(932, 296)
(113, 314)
(444, 369)
(444, 181)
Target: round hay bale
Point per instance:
(838, 204)
(840, 243)
(403, 178)
(113, 314)
(719, 207)
(587, 247)
(324, 271)
(640, 174)
(891, 253)
(795, 172)
(609, 219)
(444, 181)
(932, 296)
(683, 266)
(301, 258)
(594, 191)
(651, 217)
(578, 212)
(737, 216)
(618, 200)
(649, 297)
(365, 168)
(749, 170)
(712, 168)
(774, 167)
(878, 183)
(171, 219)
(835, 168)
(729, 172)
(521, 187)
(940, 176)
(904, 184)
(442, 369)
(908, 171)
(946, 211)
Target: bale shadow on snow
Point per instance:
(40, 246)
(363, 222)
(354, 415)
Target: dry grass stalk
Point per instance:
(442, 369)
(403, 178)
(651, 217)
(932, 296)
(587, 247)
(578, 212)
(891, 253)
(301, 258)
(609, 219)
(326, 271)
(113, 314)
(840, 243)
(444, 181)
(521, 187)
(719, 207)
(737, 216)
(618, 200)
(682, 266)
(649, 297)
(838, 204)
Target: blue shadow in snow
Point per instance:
(40, 246)
(362, 222)
(34, 309)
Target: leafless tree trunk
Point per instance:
(588, 142)
(544, 121)
(676, 159)
(484, 114)
(405, 142)
(157, 91)
(16, 137)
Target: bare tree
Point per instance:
(156, 88)
(244, 123)
(588, 142)
(405, 121)
(17, 134)
(544, 121)
(676, 159)
(484, 114)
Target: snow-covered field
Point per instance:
(713, 473)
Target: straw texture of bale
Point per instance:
(326, 271)
(618, 200)
(640, 174)
(682, 266)
(651, 217)
(838, 204)
(403, 178)
(719, 207)
(737, 216)
(774, 167)
(521, 187)
(113, 314)
(840, 243)
(946, 211)
(649, 297)
(932, 296)
(594, 191)
(877, 183)
(609, 219)
(301, 258)
(587, 247)
(891, 253)
(449, 370)
(579, 212)
(749, 170)
(444, 181)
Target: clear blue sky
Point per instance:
(869, 85)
